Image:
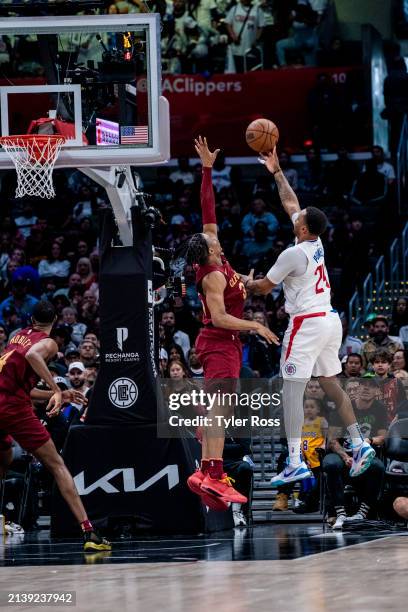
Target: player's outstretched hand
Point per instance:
(54, 404)
(270, 160)
(207, 157)
(72, 395)
(266, 333)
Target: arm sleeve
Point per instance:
(207, 198)
(292, 262)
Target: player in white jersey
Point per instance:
(313, 338)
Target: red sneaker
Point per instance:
(222, 489)
(194, 484)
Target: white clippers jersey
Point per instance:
(309, 292)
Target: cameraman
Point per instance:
(244, 23)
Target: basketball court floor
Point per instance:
(274, 566)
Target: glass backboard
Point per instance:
(94, 79)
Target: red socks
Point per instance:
(215, 468)
(204, 465)
(86, 525)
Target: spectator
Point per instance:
(20, 301)
(163, 361)
(383, 167)
(257, 355)
(62, 336)
(84, 271)
(89, 308)
(76, 375)
(168, 320)
(289, 172)
(93, 338)
(380, 340)
(304, 39)
(26, 221)
(78, 329)
(399, 316)
(3, 337)
(341, 175)
(349, 344)
(353, 365)
(183, 173)
(221, 174)
(175, 353)
(260, 245)
(352, 388)
(87, 352)
(392, 392)
(258, 213)
(194, 364)
(399, 361)
(370, 187)
(371, 416)
(54, 265)
(177, 370)
(244, 22)
(71, 355)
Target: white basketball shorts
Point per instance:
(311, 346)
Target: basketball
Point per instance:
(262, 135)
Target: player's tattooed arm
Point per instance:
(288, 197)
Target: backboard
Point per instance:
(96, 79)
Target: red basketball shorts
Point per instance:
(220, 353)
(17, 419)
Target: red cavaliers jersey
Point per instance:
(16, 375)
(234, 292)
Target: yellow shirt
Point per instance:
(313, 436)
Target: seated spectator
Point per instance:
(341, 175)
(183, 172)
(69, 316)
(383, 167)
(173, 335)
(290, 173)
(3, 337)
(399, 361)
(175, 353)
(352, 388)
(239, 466)
(392, 392)
(304, 39)
(55, 265)
(257, 355)
(84, 271)
(314, 433)
(20, 301)
(89, 308)
(71, 354)
(26, 221)
(370, 187)
(194, 364)
(349, 344)
(92, 337)
(88, 352)
(260, 245)
(353, 366)
(399, 317)
(177, 370)
(258, 213)
(163, 361)
(244, 22)
(76, 376)
(372, 418)
(221, 174)
(380, 340)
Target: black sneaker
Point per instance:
(93, 542)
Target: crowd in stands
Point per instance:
(208, 36)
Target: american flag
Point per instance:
(134, 134)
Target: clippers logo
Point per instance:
(122, 334)
(290, 369)
(123, 393)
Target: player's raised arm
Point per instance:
(207, 192)
(288, 197)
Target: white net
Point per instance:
(34, 157)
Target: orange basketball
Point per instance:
(262, 135)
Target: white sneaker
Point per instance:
(363, 456)
(358, 516)
(11, 528)
(291, 473)
(239, 518)
(340, 520)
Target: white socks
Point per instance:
(292, 396)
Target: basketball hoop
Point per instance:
(34, 156)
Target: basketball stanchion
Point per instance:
(34, 156)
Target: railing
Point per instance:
(374, 287)
(402, 164)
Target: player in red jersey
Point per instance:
(222, 293)
(22, 364)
